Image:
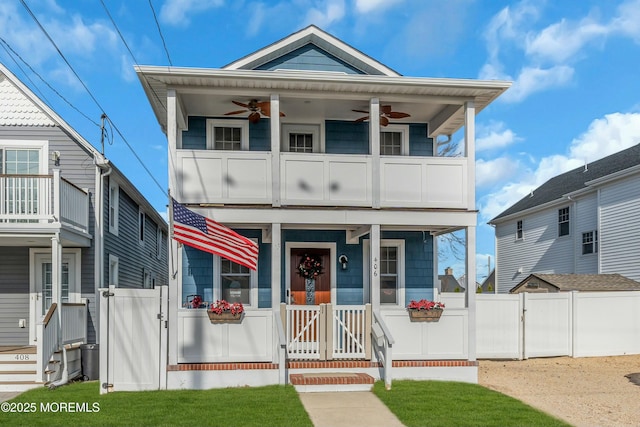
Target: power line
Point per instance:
(7, 47)
(160, 31)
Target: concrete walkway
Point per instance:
(8, 395)
(348, 409)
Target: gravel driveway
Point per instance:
(590, 391)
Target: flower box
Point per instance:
(425, 310)
(432, 315)
(224, 312)
(224, 317)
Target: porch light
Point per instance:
(343, 260)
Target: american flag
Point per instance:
(205, 234)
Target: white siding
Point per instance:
(586, 214)
(620, 228)
(540, 250)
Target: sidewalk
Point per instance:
(347, 409)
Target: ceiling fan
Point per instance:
(255, 108)
(385, 115)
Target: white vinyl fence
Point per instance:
(577, 324)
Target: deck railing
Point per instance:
(47, 336)
(74, 323)
(43, 199)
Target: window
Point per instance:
(391, 268)
(114, 265)
(519, 233)
(394, 140)
(230, 135)
(590, 242)
(142, 219)
(159, 242)
(22, 194)
(563, 221)
(235, 282)
(301, 138)
(114, 201)
(146, 279)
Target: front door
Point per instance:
(310, 276)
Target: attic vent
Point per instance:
(533, 285)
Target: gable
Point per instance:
(18, 110)
(292, 51)
(310, 58)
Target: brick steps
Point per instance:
(331, 381)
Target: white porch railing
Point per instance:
(303, 330)
(74, 323)
(350, 326)
(43, 199)
(321, 179)
(47, 336)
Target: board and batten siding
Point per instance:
(586, 214)
(620, 228)
(539, 251)
(14, 295)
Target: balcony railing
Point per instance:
(245, 177)
(43, 199)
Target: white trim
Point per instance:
(37, 256)
(332, 246)
(315, 129)
(399, 244)
(243, 125)
(114, 206)
(43, 146)
(403, 130)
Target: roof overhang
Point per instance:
(449, 95)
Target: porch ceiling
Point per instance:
(43, 240)
(331, 95)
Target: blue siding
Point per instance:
(346, 137)
(195, 138)
(312, 58)
(419, 144)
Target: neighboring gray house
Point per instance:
(575, 282)
(585, 221)
(449, 283)
(70, 223)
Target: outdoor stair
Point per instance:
(331, 381)
(18, 368)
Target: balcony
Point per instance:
(34, 203)
(246, 177)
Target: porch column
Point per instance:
(175, 253)
(172, 140)
(275, 150)
(374, 145)
(276, 262)
(375, 265)
(470, 151)
(471, 288)
(56, 281)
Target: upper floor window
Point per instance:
(301, 138)
(231, 135)
(114, 200)
(590, 242)
(563, 221)
(519, 232)
(142, 219)
(14, 161)
(394, 140)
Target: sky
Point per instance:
(575, 68)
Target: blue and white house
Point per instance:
(320, 153)
(70, 223)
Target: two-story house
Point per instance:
(70, 223)
(585, 221)
(326, 158)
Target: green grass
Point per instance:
(256, 406)
(437, 403)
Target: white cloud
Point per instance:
(489, 172)
(604, 136)
(563, 40)
(627, 22)
(332, 11)
(494, 135)
(177, 12)
(367, 6)
(532, 80)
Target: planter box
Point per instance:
(432, 315)
(225, 317)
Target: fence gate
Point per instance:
(133, 339)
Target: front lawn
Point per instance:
(439, 403)
(76, 404)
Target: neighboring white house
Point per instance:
(585, 221)
(313, 148)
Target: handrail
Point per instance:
(388, 344)
(385, 329)
(73, 185)
(52, 309)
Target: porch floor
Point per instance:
(18, 349)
